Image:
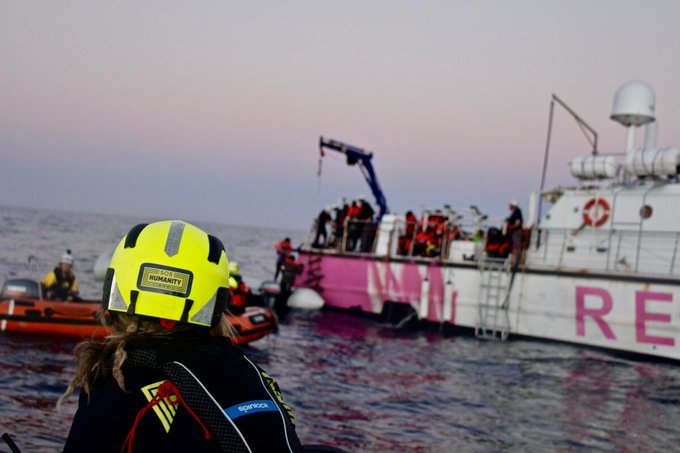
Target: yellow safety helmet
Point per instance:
(169, 270)
(233, 284)
(233, 267)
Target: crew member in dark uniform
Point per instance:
(321, 221)
(367, 227)
(514, 224)
(61, 283)
(168, 378)
(289, 270)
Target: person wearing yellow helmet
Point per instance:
(168, 378)
(234, 277)
(233, 268)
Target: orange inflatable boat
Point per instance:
(48, 317)
(253, 324)
(22, 310)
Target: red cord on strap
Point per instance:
(165, 391)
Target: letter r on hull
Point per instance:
(596, 313)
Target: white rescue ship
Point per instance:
(601, 267)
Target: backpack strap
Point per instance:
(208, 410)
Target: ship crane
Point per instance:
(363, 158)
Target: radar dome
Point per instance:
(634, 104)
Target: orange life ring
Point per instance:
(596, 212)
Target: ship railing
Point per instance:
(414, 240)
(359, 236)
(397, 238)
(619, 251)
(353, 236)
(450, 241)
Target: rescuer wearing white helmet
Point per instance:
(61, 283)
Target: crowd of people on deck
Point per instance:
(352, 226)
(427, 236)
(355, 217)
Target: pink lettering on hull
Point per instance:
(642, 316)
(597, 314)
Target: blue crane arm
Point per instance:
(357, 155)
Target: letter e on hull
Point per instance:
(643, 317)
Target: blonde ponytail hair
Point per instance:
(91, 355)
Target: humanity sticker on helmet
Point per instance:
(163, 279)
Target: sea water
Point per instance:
(351, 381)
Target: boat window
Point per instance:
(646, 211)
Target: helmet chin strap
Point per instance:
(185, 313)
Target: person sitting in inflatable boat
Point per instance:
(61, 283)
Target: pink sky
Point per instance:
(212, 111)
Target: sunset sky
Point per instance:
(212, 111)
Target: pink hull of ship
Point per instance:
(367, 283)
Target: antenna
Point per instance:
(584, 127)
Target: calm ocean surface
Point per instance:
(352, 382)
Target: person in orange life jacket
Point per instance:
(283, 249)
(61, 283)
(514, 231)
(353, 228)
(169, 377)
(411, 222)
(353, 210)
(406, 239)
(238, 290)
(422, 240)
(427, 242)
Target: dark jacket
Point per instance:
(236, 401)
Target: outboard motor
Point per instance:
(21, 287)
(269, 291)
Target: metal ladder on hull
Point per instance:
(314, 275)
(493, 320)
